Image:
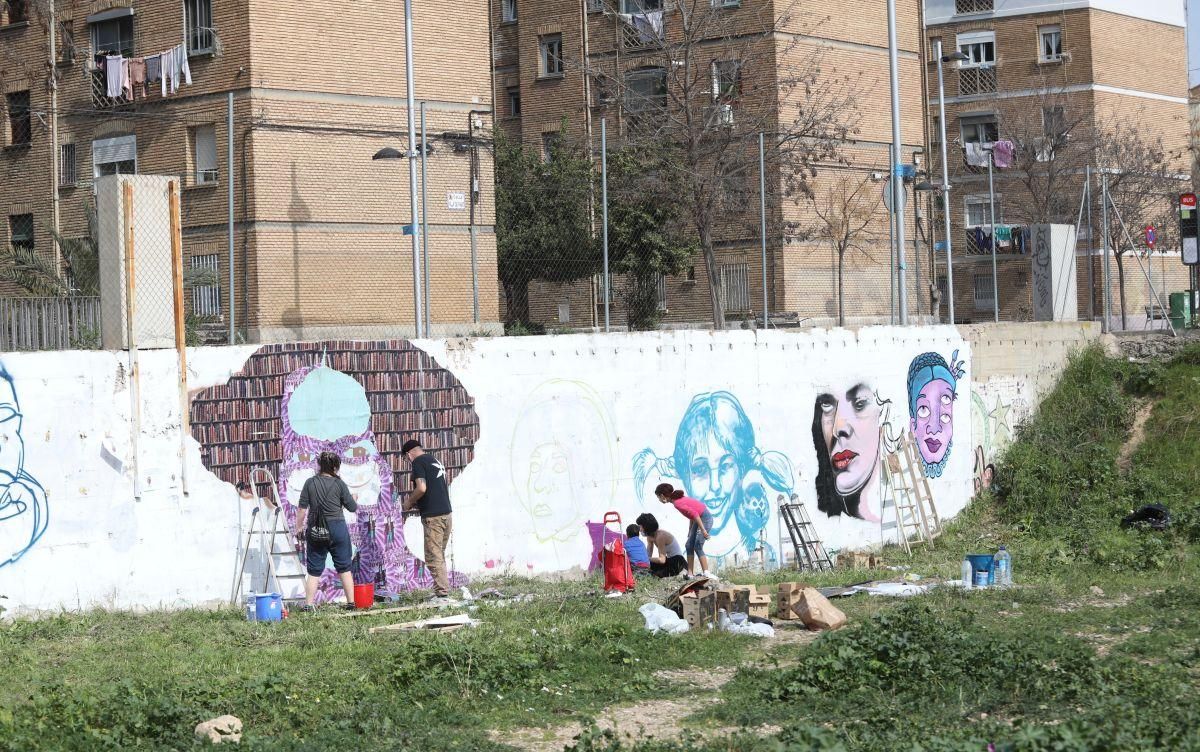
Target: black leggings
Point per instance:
(669, 568)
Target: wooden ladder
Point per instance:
(810, 552)
(907, 493)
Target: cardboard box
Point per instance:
(859, 560)
(733, 600)
(760, 605)
(788, 595)
(699, 608)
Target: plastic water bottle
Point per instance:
(967, 574)
(1003, 568)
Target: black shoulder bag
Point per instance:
(317, 532)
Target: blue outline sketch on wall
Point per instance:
(562, 459)
(718, 461)
(851, 430)
(932, 392)
(24, 513)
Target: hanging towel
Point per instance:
(168, 62)
(126, 80)
(153, 69)
(1003, 233)
(976, 155)
(113, 67)
(137, 75)
(182, 56)
(1002, 154)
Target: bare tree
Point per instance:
(845, 213)
(1144, 178)
(704, 83)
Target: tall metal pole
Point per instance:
(762, 220)
(897, 147)
(604, 211)
(891, 266)
(945, 181)
(229, 210)
(412, 169)
(1106, 272)
(55, 167)
(425, 223)
(992, 209)
(1091, 270)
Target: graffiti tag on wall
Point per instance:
(24, 513)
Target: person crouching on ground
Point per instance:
(431, 497)
(669, 561)
(326, 495)
(636, 550)
(700, 519)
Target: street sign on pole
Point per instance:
(887, 195)
(1188, 228)
(1151, 236)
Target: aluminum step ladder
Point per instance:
(269, 525)
(907, 494)
(810, 552)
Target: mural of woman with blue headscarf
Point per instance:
(719, 463)
(23, 510)
(932, 391)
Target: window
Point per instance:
(66, 42)
(201, 39)
(508, 11)
(726, 3)
(204, 154)
(985, 293)
(564, 313)
(735, 287)
(551, 55)
(1050, 43)
(18, 11)
(551, 142)
(514, 101)
(662, 292)
(935, 130)
(726, 80)
(963, 7)
(1054, 122)
(941, 288)
(112, 35)
(979, 130)
(20, 120)
(68, 169)
(20, 233)
(645, 95)
(595, 6)
(979, 47)
(979, 211)
(114, 156)
(206, 299)
(641, 6)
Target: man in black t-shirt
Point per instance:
(431, 497)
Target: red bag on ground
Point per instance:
(618, 574)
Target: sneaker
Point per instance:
(438, 601)
(348, 606)
(709, 575)
(308, 608)
(685, 575)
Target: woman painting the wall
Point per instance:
(719, 463)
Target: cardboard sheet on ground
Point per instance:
(438, 624)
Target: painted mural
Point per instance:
(361, 400)
(851, 430)
(561, 456)
(718, 461)
(24, 512)
(993, 429)
(932, 392)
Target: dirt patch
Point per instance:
(702, 679)
(1104, 643)
(1136, 435)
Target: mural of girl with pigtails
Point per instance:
(932, 392)
(718, 462)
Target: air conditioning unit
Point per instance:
(205, 177)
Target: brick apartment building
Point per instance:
(318, 245)
(1038, 69)
(575, 62)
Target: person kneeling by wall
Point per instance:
(669, 561)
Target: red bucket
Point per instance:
(364, 595)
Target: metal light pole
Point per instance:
(604, 210)
(1106, 273)
(897, 147)
(418, 319)
(425, 222)
(946, 174)
(762, 219)
(1091, 270)
(992, 209)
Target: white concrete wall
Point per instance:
(563, 423)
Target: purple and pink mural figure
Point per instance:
(360, 400)
(932, 392)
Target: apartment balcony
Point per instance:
(966, 7)
(981, 80)
(641, 34)
(100, 98)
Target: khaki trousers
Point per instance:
(437, 536)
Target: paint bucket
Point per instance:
(364, 595)
(981, 567)
(268, 607)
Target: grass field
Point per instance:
(1098, 648)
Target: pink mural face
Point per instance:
(360, 400)
(933, 423)
(850, 424)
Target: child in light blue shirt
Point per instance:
(636, 549)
